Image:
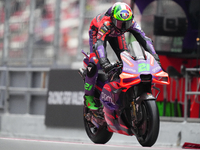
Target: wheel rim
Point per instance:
(144, 124)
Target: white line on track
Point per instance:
(88, 144)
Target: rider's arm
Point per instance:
(146, 42)
(138, 33)
(99, 48)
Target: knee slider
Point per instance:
(91, 69)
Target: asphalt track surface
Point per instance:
(34, 144)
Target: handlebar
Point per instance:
(116, 67)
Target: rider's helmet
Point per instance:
(121, 16)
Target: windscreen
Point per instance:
(136, 50)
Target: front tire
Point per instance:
(150, 124)
(98, 135)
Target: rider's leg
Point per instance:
(90, 81)
(91, 75)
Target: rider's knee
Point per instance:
(91, 69)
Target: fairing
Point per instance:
(134, 67)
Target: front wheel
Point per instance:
(98, 135)
(148, 128)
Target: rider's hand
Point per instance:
(107, 67)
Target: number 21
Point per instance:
(143, 67)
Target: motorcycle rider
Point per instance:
(110, 26)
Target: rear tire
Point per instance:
(98, 135)
(149, 127)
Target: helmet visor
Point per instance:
(122, 25)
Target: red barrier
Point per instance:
(187, 145)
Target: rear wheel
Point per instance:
(148, 128)
(98, 135)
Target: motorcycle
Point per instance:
(125, 100)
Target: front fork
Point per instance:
(136, 113)
(133, 110)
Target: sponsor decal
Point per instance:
(65, 98)
(129, 70)
(102, 31)
(107, 98)
(156, 69)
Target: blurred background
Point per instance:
(53, 32)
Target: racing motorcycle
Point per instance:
(125, 100)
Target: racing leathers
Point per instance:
(102, 30)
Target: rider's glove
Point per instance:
(105, 64)
(157, 59)
(107, 67)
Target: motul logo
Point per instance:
(107, 98)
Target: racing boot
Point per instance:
(90, 102)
